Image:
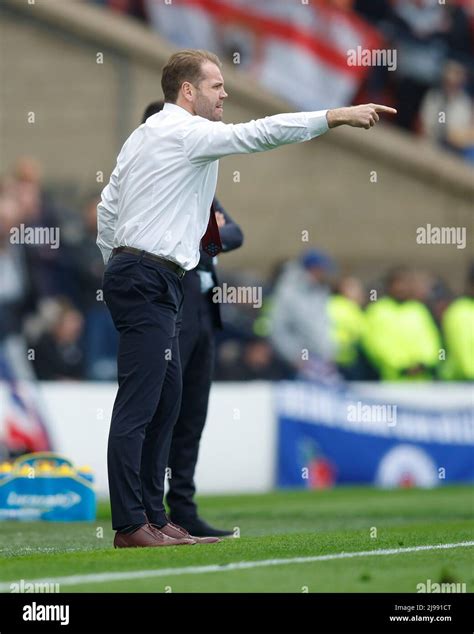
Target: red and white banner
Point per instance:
(296, 50)
(22, 422)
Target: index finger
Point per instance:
(379, 108)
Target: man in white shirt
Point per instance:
(152, 217)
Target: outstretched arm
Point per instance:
(205, 141)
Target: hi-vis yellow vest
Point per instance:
(347, 327)
(399, 336)
(458, 331)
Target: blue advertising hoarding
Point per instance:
(329, 436)
(46, 486)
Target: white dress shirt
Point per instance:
(159, 195)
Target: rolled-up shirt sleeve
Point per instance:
(107, 211)
(206, 141)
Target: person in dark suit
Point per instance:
(200, 319)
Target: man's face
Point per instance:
(208, 96)
(400, 287)
(317, 274)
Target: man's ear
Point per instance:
(188, 90)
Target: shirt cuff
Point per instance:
(317, 122)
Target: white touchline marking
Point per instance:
(28, 550)
(102, 577)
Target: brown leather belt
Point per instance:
(151, 256)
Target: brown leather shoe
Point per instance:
(148, 536)
(178, 532)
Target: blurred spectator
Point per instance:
(238, 317)
(421, 283)
(301, 328)
(458, 30)
(401, 338)
(418, 33)
(447, 113)
(262, 325)
(252, 361)
(373, 11)
(424, 33)
(37, 211)
(13, 276)
(458, 332)
(58, 351)
(348, 324)
(100, 336)
(134, 8)
(18, 295)
(441, 297)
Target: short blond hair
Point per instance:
(184, 66)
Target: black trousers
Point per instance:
(145, 300)
(196, 344)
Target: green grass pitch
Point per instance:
(280, 525)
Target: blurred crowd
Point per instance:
(313, 322)
(432, 85)
(318, 324)
(50, 294)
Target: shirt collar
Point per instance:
(172, 107)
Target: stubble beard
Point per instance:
(205, 109)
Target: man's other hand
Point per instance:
(220, 219)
